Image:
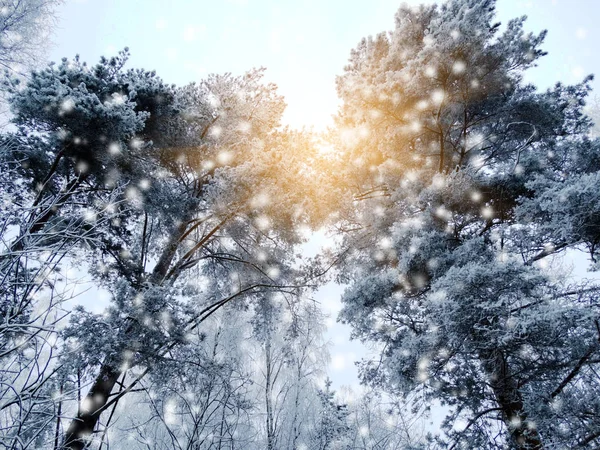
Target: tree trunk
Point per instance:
(89, 412)
(509, 398)
(58, 414)
(87, 418)
(268, 394)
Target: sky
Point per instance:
(303, 45)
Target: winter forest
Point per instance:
(158, 273)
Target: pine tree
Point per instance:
(196, 183)
(332, 423)
(464, 183)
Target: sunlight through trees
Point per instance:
(155, 293)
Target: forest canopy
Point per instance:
(451, 187)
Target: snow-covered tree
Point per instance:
(209, 191)
(378, 422)
(332, 421)
(463, 183)
(288, 367)
(25, 35)
(593, 110)
(47, 213)
(199, 397)
(25, 27)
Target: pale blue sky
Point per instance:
(303, 45)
